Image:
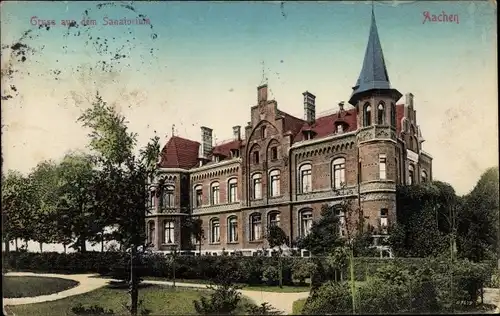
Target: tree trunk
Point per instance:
(102, 242)
(7, 246)
(134, 291)
(26, 244)
(280, 269)
(17, 246)
(83, 244)
(199, 245)
(41, 247)
(64, 245)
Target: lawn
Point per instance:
(29, 286)
(161, 300)
(298, 305)
(262, 288)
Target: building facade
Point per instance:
(281, 170)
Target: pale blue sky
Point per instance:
(204, 65)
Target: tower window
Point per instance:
(382, 167)
(384, 220)
(367, 115)
(381, 114)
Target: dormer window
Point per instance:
(340, 128)
(216, 158)
(235, 153)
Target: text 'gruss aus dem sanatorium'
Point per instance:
(36, 21)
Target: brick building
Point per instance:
(285, 168)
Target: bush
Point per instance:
(92, 310)
(495, 279)
(302, 270)
(329, 298)
(263, 309)
(222, 301)
(271, 275)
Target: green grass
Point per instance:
(161, 300)
(298, 305)
(29, 286)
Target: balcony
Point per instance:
(217, 208)
(324, 194)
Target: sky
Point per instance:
(199, 64)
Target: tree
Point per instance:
(478, 219)
(194, 227)
(276, 237)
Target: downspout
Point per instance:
(290, 182)
(361, 215)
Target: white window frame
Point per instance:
(274, 183)
(257, 186)
(214, 230)
(382, 166)
(338, 172)
(232, 190)
(168, 232)
(411, 175)
(381, 113)
(384, 220)
(168, 198)
(274, 218)
(232, 228)
(342, 225)
(214, 193)
(196, 189)
(255, 227)
(367, 115)
(305, 178)
(306, 221)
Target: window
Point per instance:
(274, 180)
(255, 227)
(235, 153)
(338, 173)
(341, 225)
(382, 166)
(274, 219)
(151, 232)
(232, 190)
(168, 196)
(381, 114)
(214, 231)
(384, 220)
(411, 174)
(263, 132)
(168, 229)
(214, 193)
(367, 115)
(305, 178)
(257, 186)
(340, 128)
(424, 176)
(232, 229)
(198, 191)
(393, 115)
(152, 199)
(256, 157)
(305, 223)
(274, 153)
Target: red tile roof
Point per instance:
(291, 123)
(325, 125)
(179, 153)
(224, 148)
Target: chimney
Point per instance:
(409, 100)
(206, 142)
(237, 132)
(262, 93)
(309, 107)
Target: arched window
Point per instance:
(198, 195)
(273, 219)
(151, 232)
(255, 157)
(411, 175)
(152, 199)
(306, 221)
(424, 176)
(393, 115)
(367, 115)
(214, 230)
(214, 193)
(338, 173)
(274, 181)
(257, 186)
(168, 196)
(255, 227)
(263, 132)
(305, 178)
(232, 229)
(381, 114)
(232, 190)
(169, 232)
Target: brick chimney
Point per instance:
(262, 93)
(206, 142)
(237, 132)
(341, 106)
(309, 107)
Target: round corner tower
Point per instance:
(375, 103)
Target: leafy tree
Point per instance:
(276, 237)
(478, 222)
(194, 228)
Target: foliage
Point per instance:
(302, 270)
(223, 300)
(276, 237)
(495, 279)
(330, 298)
(478, 222)
(263, 309)
(91, 310)
(324, 235)
(194, 228)
(271, 275)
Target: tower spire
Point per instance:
(373, 74)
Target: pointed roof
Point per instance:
(179, 153)
(373, 75)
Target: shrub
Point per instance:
(330, 298)
(495, 279)
(302, 270)
(263, 309)
(92, 310)
(222, 301)
(271, 275)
